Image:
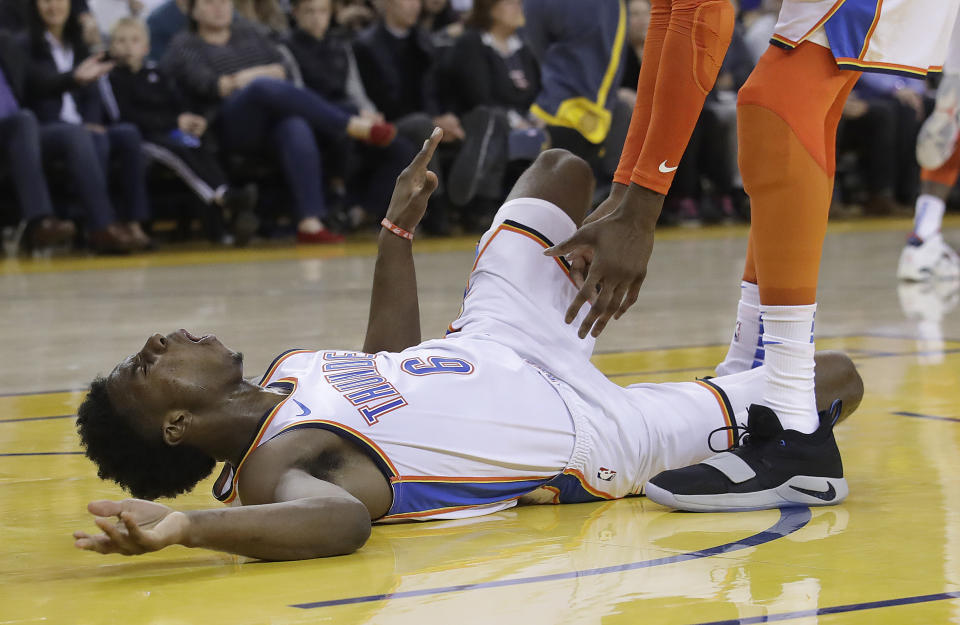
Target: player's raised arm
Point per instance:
(313, 519)
(394, 323)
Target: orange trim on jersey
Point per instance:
(346, 428)
(790, 43)
(919, 71)
(586, 486)
(727, 417)
(256, 441)
(280, 359)
(529, 235)
(423, 513)
(556, 493)
(823, 20)
(873, 27)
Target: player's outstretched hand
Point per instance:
(142, 526)
(415, 185)
(609, 256)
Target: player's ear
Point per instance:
(175, 426)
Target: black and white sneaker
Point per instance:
(768, 467)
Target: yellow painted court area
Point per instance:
(890, 554)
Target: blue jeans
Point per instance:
(122, 144)
(20, 137)
(75, 145)
(277, 114)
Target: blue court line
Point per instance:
(45, 453)
(837, 609)
(917, 415)
(62, 416)
(791, 520)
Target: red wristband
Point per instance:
(397, 230)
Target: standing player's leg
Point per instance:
(926, 255)
(787, 115)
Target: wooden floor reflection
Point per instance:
(890, 554)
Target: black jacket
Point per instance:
(398, 74)
(15, 63)
(147, 98)
(479, 76)
(46, 84)
(324, 64)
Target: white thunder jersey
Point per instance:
(508, 408)
(449, 422)
(908, 37)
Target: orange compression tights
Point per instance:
(947, 173)
(685, 45)
(787, 116)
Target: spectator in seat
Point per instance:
(147, 98)
(71, 112)
(329, 69)
(233, 71)
(353, 15)
(881, 120)
(20, 138)
(163, 23)
(267, 13)
(399, 66)
(494, 73)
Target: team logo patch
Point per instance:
(606, 474)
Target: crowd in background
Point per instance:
(292, 118)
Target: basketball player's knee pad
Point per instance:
(711, 32)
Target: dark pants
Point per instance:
(20, 138)
(374, 174)
(74, 145)
(885, 139)
(276, 114)
(121, 143)
(200, 162)
(706, 158)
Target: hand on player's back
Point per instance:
(609, 256)
(415, 185)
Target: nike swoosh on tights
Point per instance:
(306, 411)
(825, 495)
(666, 170)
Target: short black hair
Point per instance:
(148, 469)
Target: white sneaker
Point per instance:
(938, 134)
(930, 259)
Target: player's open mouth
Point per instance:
(192, 338)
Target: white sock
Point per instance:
(928, 216)
(788, 346)
(745, 350)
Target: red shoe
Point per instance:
(320, 237)
(382, 134)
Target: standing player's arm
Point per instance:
(394, 323)
(311, 519)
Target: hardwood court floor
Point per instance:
(890, 554)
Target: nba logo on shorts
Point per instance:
(606, 474)
(736, 335)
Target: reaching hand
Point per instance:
(143, 526)
(91, 68)
(613, 247)
(415, 185)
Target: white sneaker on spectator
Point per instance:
(938, 134)
(928, 259)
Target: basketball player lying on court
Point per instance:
(506, 409)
